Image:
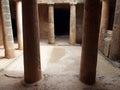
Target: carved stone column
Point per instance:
(51, 32)
(19, 24)
(115, 43)
(90, 41)
(73, 23)
(32, 66)
(7, 29)
(104, 23)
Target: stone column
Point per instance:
(104, 23)
(73, 23)
(7, 29)
(90, 41)
(115, 44)
(19, 24)
(32, 66)
(51, 32)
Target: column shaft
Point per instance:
(115, 43)
(32, 66)
(19, 24)
(90, 41)
(104, 23)
(51, 32)
(73, 24)
(7, 29)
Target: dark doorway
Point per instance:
(14, 27)
(62, 19)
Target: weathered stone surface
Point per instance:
(72, 24)
(59, 1)
(31, 42)
(43, 21)
(107, 42)
(115, 44)
(1, 40)
(19, 24)
(90, 42)
(61, 73)
(7, 29)
(51, 31)
(106, 46)
(79, 23)
(103, 23)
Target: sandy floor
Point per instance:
(60, 70)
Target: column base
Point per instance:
(20, 47)
(51, 41)
(72, 43)
(87, 82)
(33, 84)
(9, 54)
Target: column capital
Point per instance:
(16, 0)
(50, 3)
(105, 0)
(73, 3)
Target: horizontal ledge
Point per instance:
(47, 3)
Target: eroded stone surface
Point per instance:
(63, 74)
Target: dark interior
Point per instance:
(14, 27)
(62, 18)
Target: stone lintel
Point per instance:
(52, 3)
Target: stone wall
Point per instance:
(79, 22)
(1, 40)
(0, 32)
(43, 21)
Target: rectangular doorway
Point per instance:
(62, 21)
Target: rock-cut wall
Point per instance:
(1, 40)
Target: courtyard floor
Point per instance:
(60, 70)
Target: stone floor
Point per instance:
(60, 69)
